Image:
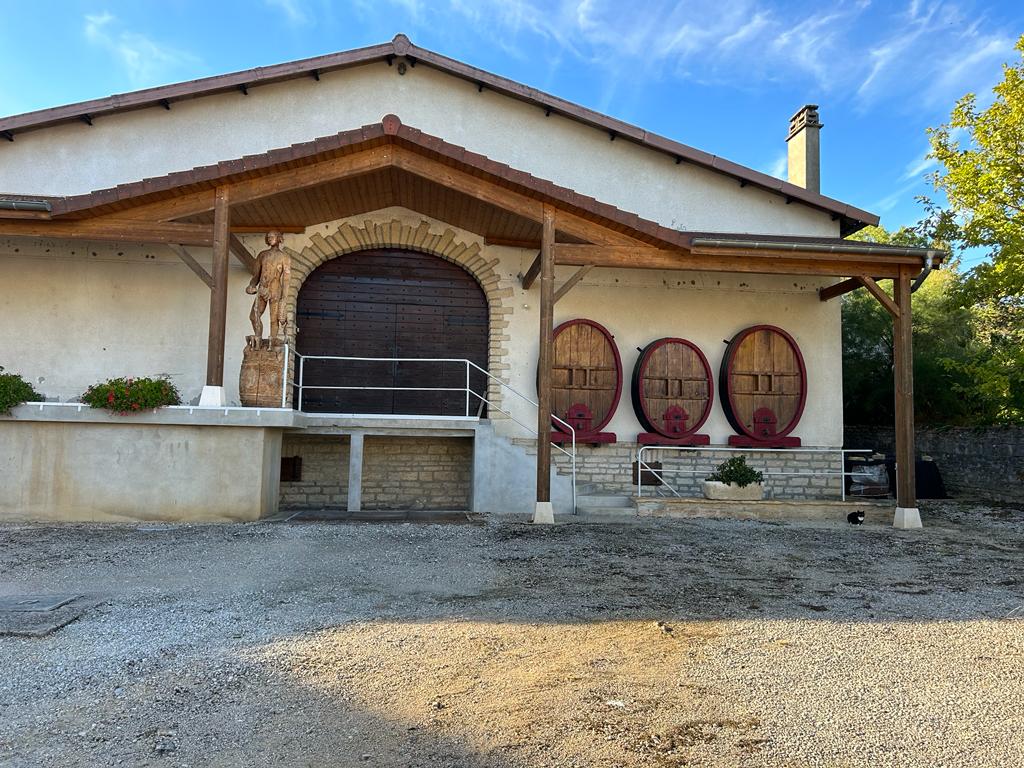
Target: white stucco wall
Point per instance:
(76, 318)
(75, 158)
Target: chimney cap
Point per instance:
(805, 117)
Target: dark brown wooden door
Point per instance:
(391, 303)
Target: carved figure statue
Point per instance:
(269, 284)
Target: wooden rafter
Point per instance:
(240, 252)
(531, 273)
(568, 285)
(839, 289)
(883, 298)
(183, 254)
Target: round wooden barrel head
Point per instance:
(763, 382)
(586, 375)
(672, 392)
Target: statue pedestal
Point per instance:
(260, 383)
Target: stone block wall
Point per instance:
(324, 483)
(417, 473)
(610, 469)
(398, 472)
(980, 462)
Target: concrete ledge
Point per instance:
(187, 415)
(795, 509)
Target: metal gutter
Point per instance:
(25, 205)
(928, 254)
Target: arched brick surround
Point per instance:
(427, 239)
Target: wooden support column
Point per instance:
(219, 291)
(907, 514)
(544, 512)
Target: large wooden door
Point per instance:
(391, 303)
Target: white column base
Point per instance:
(544, 514)
(212, 397)
(907, 517)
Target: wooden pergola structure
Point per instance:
(389, 163)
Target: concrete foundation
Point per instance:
(88, 471)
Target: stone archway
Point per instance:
(424, 238)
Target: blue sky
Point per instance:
(721, 75)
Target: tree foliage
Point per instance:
(983, 179)
(968, 358)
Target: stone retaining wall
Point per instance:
(984, 462)
(398, 472)
(610, 469)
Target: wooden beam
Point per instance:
(647, 257)
(567, 286)
(259, 187)
(547, 306)
(219, 291)
(903, 372)
(821, 256)
(111, 230)
(531, 273)
(533, 245)
(882, 297)
(503, 197)
(192, 264)
(262, 229)
(242, 253)
(839, 289)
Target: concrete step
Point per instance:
(607, 500)
(605, 514)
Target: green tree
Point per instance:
(983, 180)
(968, 358)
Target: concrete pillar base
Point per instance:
(907, 517)
(544, 514)
(355, 472)
(212, 397)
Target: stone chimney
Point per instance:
(804, 145)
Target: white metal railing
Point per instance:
(467, 389)
(643, 466)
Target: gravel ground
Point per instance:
(660, 643)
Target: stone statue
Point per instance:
(269, 284)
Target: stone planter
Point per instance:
(731, 492)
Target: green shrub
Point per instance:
(14, 390)
(736, 471)
(131, 395)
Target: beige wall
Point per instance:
(76, 158)
(73, 319)
(78, 472)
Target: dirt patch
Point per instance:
(663, 643)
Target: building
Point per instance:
(428, 210)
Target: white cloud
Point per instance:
(779, 167)
(144, 60)
(295, 11)
(934, 54)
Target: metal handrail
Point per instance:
(302, 386)
(643, 466)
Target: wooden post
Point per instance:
(219, 291)
(543, 512)
(907, 514)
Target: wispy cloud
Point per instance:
(778, 167)
(935, 53)
(145, 60)
(295, 12)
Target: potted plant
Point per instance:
(14, 390)
(734, 480)
(130, 395)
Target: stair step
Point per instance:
(606, 513)
(604, 500)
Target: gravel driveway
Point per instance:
(660, 643)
